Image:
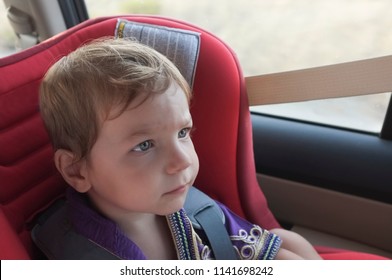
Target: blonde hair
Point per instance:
(78, 92)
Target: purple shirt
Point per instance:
(249, 240)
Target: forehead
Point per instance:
(113, 104)
(155, 112)
(169, 106)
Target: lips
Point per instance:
(178, 190)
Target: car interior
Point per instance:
(242, 155)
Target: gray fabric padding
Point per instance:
(180, 46)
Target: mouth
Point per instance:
(177, 191)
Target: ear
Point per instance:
(73, 172)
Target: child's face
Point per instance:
(144, 160)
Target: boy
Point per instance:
(118, 116)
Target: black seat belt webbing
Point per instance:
(217, 234)
(205, 214)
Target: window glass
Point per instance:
(365, 113)
(7, 35)
(280, 35)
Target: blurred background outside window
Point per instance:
(280, 35)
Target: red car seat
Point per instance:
(223, 136)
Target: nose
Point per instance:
(179, 158)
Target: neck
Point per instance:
(138, 223)
(152, 235)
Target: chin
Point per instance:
(171, 203)
(175, 206)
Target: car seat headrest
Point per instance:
(180, 46)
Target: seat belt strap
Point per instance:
(354, 78)
(217, 235)
(67, 244)
(205, 214)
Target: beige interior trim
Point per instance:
(362, 77)
(323, 239)
(356, 219)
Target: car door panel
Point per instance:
(331, 181)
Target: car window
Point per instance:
(7, 36)
(282, 35)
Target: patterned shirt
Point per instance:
(249, 241)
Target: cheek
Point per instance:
(195, 158)
(106, 171)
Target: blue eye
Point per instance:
(184, 132)
(143, 147)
